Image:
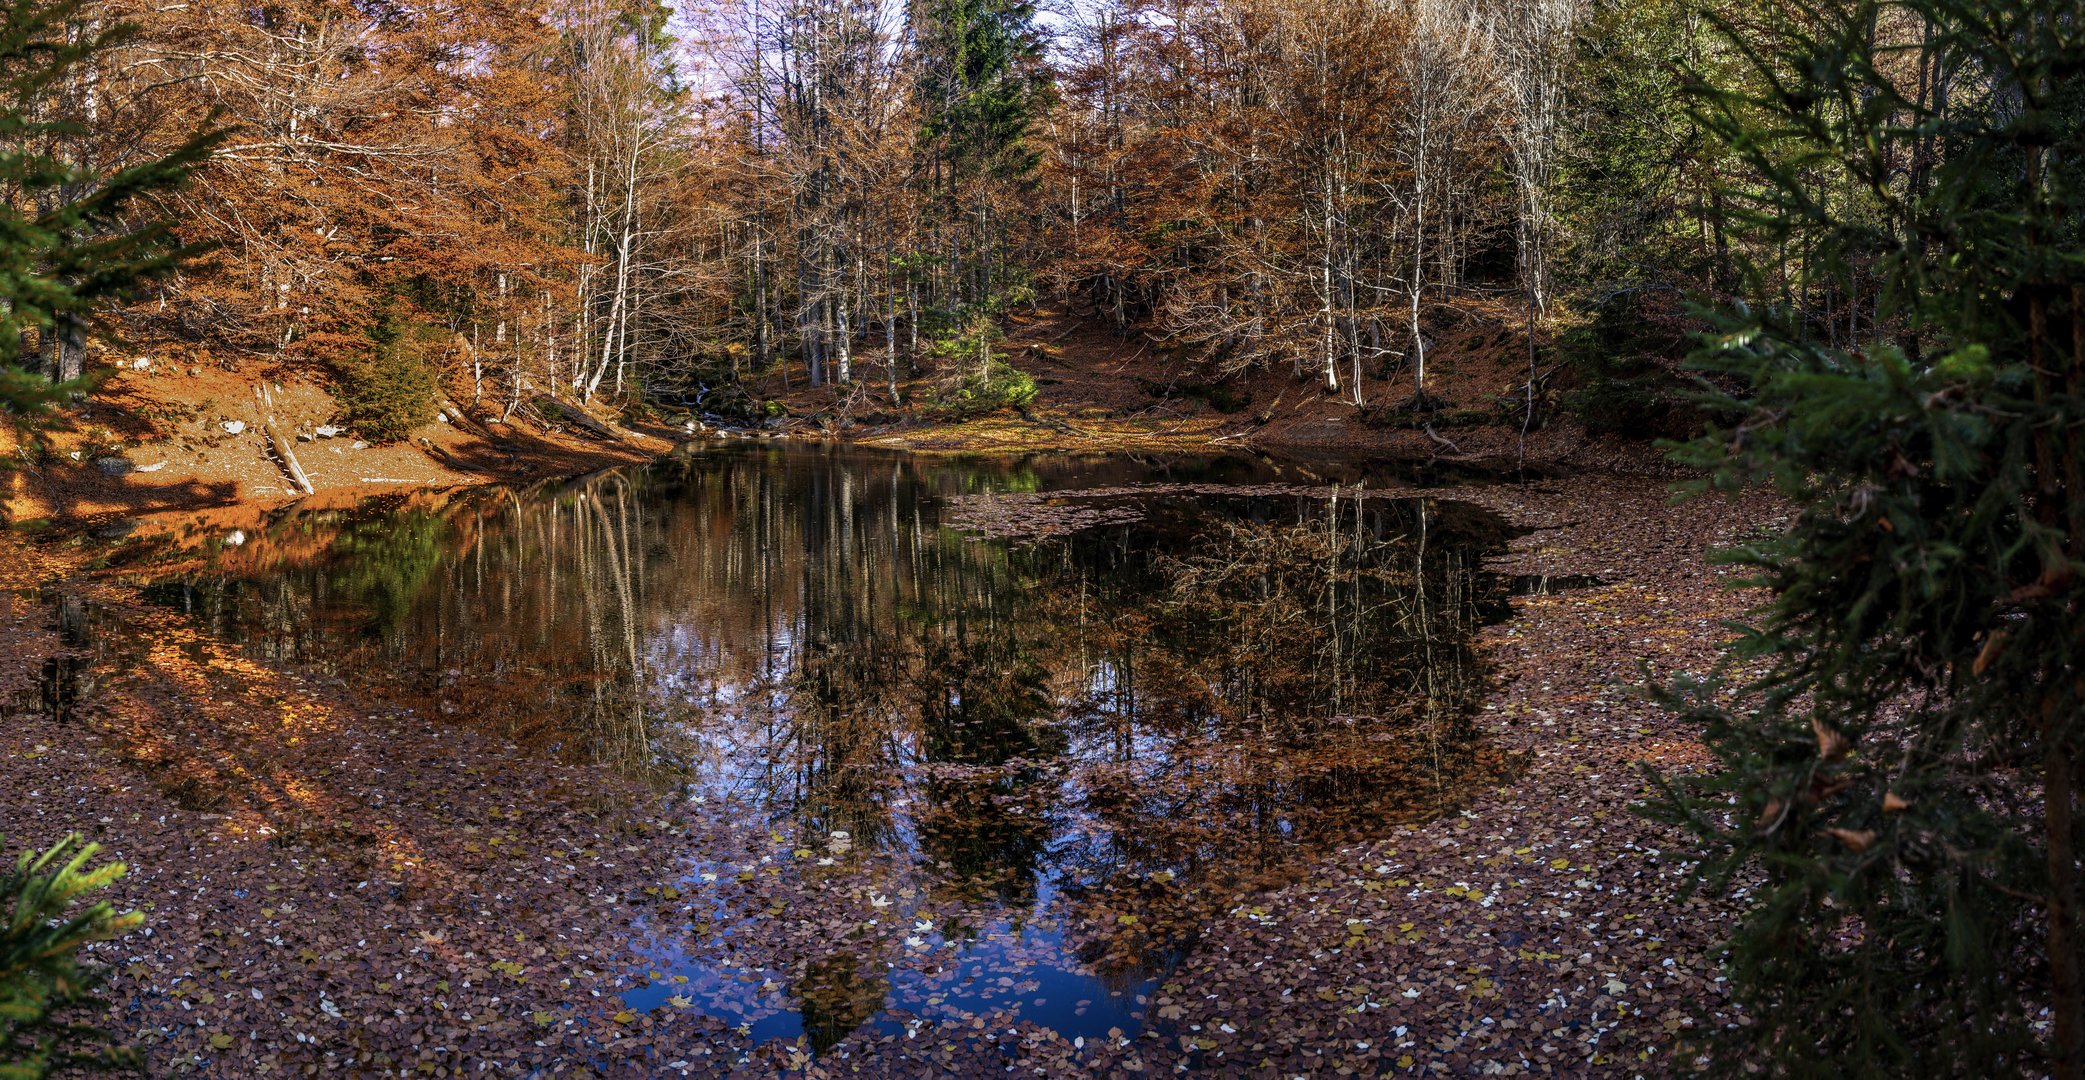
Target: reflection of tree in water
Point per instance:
(839, 716)
(1265, 691)
(356, 581)
(385, 561)
(835, 997)
(1207, 693)
(985, 743)
(604, 539)
(926, 674)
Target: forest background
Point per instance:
(710, 206)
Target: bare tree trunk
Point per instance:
(285, 450)
(890, 329)
(617, 303)
(760, 342)
(845, 370)
(1418, 282)
(1325, 282)
(68, 347)
(613, 336)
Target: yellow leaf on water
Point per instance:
(624, 1017)
(220, 1041)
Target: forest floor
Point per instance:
(189, 438)
(333, 886)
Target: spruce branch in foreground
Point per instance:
(41, 978)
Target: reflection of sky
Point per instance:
(746, 758)
(751, 566)
(945, 977)
(746, 749)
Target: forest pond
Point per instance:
(951, 739)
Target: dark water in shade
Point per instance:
(1055, 759)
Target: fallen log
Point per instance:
(288, 455)
(464, 420)
(551, 407)
(1452, 448)
(285, 450)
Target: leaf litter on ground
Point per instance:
(333, 886)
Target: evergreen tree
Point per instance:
(1899, 734)
(1629, 194)
(979, 84)
(40, 973)
(71, 241)
(980, 91)
(390, 390)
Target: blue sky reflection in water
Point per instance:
(948, 739)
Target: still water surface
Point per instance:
(1046, 718)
